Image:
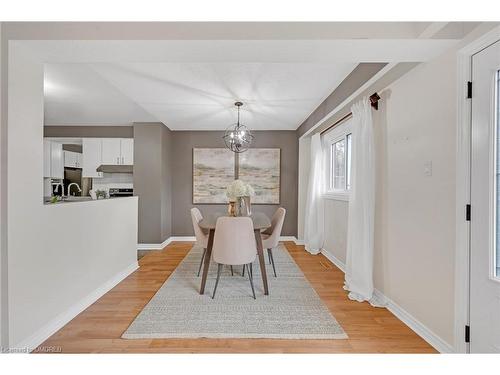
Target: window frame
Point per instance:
(338, 133)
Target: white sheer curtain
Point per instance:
(360, 229)
(314, 215)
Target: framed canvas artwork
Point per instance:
(261, 168)
(213, 171)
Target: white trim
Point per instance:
(183, 238)
(62, 319)
(351, 97)
(414, 324)
(288, 238)
(332, 258)
(154, 246)
(462, 227)
(161, 246)
(418, 327)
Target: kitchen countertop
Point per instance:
(72, 199)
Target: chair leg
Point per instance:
(251, 281)
(219, 268)
(270, 253)
(201, 262)
(269, 256)
(243, 272)
(251, 270)
(232, 271)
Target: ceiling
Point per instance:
(188, 96)
(190, 80)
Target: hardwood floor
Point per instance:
(99, 327)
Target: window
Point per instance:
(337, 145)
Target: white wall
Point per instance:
(415, 234)
(415, 214)
(3, 284)
(414, 230)
(60, 257)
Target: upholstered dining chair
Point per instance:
(201, 235)
(271, 236)
(234, 244)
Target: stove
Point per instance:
(121, 192)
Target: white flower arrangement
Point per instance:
(237, 189)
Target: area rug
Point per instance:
(292, 310)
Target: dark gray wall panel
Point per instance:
(183, 143)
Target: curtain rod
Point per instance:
(374, 98)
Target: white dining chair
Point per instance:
(234, 244)
(271, 236)
(200, 234)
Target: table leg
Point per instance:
(208, 258)
(262, 262)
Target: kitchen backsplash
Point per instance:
(113, 180)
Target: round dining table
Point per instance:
(260, 222)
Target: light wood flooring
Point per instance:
(99, 327)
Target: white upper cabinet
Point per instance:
(111, 151)
(56, 160)
(91, 157)
(127, 151)
(72, 159)
(117, 151)
(46, 158)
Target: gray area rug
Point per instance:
(292, 310)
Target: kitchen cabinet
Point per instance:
(111, 151)
(127, 151)
(91, 157)
(53, 160)
(117, 151)
(46, 158)
(72, 159)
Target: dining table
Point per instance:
(260, 222)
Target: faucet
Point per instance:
(69, 188)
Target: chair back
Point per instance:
(234, 241)
(276, 226)
(196, 217)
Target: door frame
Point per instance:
(463, 197)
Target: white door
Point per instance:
(127, 151)
(91, 157)
(485, 199)
(111, 151)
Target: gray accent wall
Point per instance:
(152, 181)
(183, 143)
(357, 78)
(89, 131)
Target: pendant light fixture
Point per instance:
(237, 137)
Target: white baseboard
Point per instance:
(299, 242)
(418, 327)
(183, 238)
(161, 246)
(328, 255)
(153, 246)
(414, 324)
(62, 319)
(288, 238)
